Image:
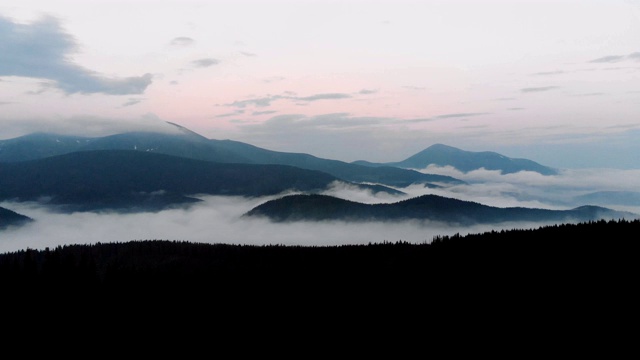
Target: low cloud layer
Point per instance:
(218, 219)
(42, 50)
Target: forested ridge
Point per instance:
(585, 255)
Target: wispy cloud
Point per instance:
(132, 102)
(544, 73)
(590, 94)
(460, 115)
(440, 117)
(608, 59)
(255, 113)
(238, 112)
(42, 50)
(258, 102)
(248, 54)
(206, 62)
(273, 79)
(367, 92)
(617, 58)
(538, 89)
(409, 87)
(267, 100)
(182, 41)
(329, 96)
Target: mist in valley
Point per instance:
(219, 219)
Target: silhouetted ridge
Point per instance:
(424, 208)
(126, 179)
(11, 218)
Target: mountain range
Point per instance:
(423, 208)
(182, 142)
(150, 171)
(128, 180)
(465, 161)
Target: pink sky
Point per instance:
(554, 81)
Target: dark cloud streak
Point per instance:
(538, 89)
(182, 41)
(267, 100)
(617, 58)
(206, 62)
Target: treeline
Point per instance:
(599, 255)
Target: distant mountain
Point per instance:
(628, 198)
(426, 207)
(12, 218)
(136, 180)
(465, 161)
(185, 143)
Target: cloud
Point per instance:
(206, 62)
(617, 58)
(590, 94)
(444, 116)
(182, 41)
(415, 87)
(230, 114)
(538, 89)
(273, 79)
(248, 54)
(329, 96)
(258, 102)
(549, 73)
(367, 91)
(460, 115)
(264, 112)
(83, 125)
(608, 59)
(132, 102)
(42, 50)
(267, 100)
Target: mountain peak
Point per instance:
(445, 155)
(184, 131)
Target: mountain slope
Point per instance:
(425, 207)
(465, 161)
(12, 218)
(39, 145)
(135, 180)
(185, 143)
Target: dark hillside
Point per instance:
(12, 218)
(558, 261)
(122, 179)
(312, 207)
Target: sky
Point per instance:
(557, 82)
